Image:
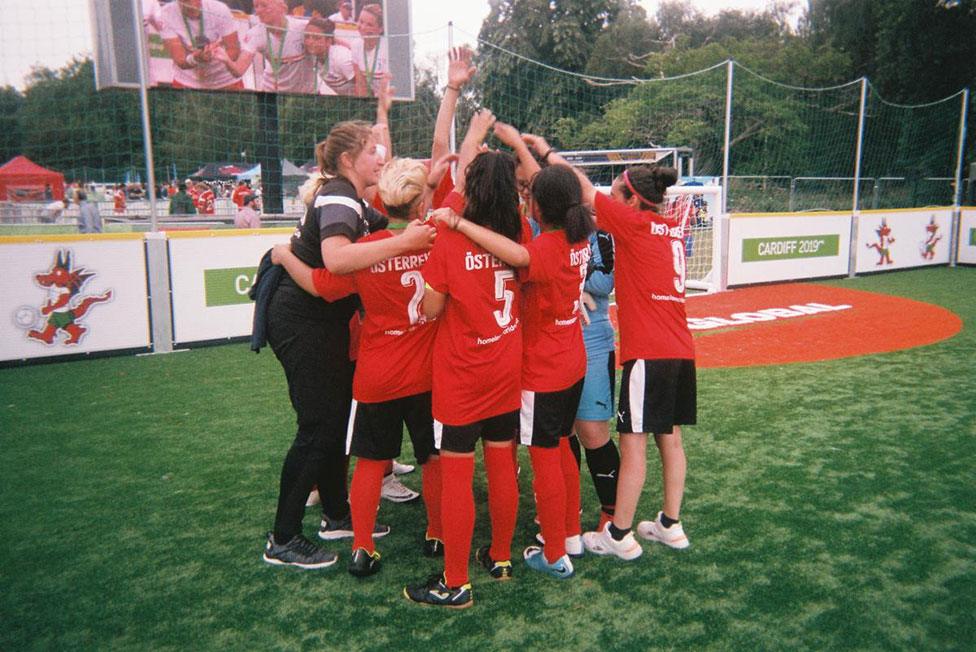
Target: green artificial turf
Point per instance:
(829, 505)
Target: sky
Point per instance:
(50, 32)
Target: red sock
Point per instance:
(550, 499)
(430, 475)
(604, 519)
(457, 516)
(503, 499)
(364, 500)
(571, 478)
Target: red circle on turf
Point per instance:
(873, 323)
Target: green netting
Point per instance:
(791, 148)
(910, 153)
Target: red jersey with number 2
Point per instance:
(478, 350)
(650, 282)
(396, 340)
(555, 357)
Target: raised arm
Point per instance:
(344, 257)
(539, 145)
(510, 136)
(459, 72)
(381, 130)
(481, 123)
(505, 249)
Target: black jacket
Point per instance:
(269, 275)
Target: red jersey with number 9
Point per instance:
(555, 357)
(650, 282)
(396, 340)
(478, 351)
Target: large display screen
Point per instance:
(307, 47)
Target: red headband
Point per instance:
(633, 190)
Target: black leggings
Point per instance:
(313, 347)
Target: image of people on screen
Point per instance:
(329, 67)
(192, 32)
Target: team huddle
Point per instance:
(484, 318)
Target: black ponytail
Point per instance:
(649, 183)
(557, 192)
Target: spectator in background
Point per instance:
(242, 190)
(54, 210)
(118, 197)
(205, 199)
(247, 217)
(89, 221)
(344, 15)
(329, 68)
(192, 31)
(180, 203)
(308, 8)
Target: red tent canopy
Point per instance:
(21, 179)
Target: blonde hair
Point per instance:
(401, 185)
(349, 136)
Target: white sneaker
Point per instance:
(402, 469)
(672, 537)
(601, 543)
(313, 498)
(574, 545)
(396, 492)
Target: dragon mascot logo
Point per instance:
(931, 239)
(66, 305)
(883, 245)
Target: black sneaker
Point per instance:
(435, 592)
(332, 529)
(500, 570)
(299, 552)
(433, 547)
(364, 564)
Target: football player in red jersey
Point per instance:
(658, 389)
(477, 363)
(394, 335)
(554, 362)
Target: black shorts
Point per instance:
(547, 416)
(461, 439)
(376, 429)
(657, 395)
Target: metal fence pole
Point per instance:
(452, 138)
(144, 105)
(957, 199)
(728, 136)
(855, 209)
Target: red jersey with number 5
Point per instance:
(396, 340)
(478, 351)
(650, 282)
(555, 357)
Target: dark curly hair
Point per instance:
(492, 195)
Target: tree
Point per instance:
(11, 134)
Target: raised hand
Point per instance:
(508, 134)
(459, 68)
(537, 144)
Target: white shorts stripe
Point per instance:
(636, 387)
(438, 434)
(526, 417)
(337, 200)
(351, 426)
